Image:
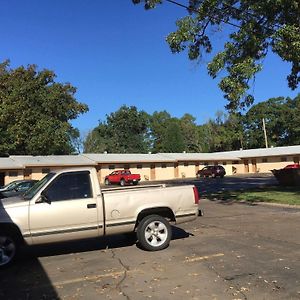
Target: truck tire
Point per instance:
(122, 182)
(154, 233)
(9, 247)
(106, 181)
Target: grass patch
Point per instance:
(275, 194)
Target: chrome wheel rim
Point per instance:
(156, 233)
(7, 250)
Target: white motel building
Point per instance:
(160, 166)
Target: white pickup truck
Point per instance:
(70, 205)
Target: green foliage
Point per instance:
(184, 129)
(159, 122)
(255, 26)
(173, 141)
(35, 112)
(225, 133)
(124, 131)
(190, 133)
(131, 131)
(282, 117)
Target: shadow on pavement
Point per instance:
(110, 242)
(26, 279)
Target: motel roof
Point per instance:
(264, 152)
(52, 160)
(127, 158)
(7, 163)
(200, 156)
(92, 159)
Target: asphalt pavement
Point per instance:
(235, 251)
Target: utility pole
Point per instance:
(265, 132)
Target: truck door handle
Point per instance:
(91, 205)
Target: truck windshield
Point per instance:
(28, 195)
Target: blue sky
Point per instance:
(115, 53)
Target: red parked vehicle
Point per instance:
(122, 177)
(293, 166)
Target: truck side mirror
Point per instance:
(44, 198)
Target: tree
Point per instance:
(255, 27)
(282, 122)
(224, 133)
(173, 141)
(124, 131)
(171, 134)
(190, 134)
(293, 121)
(35, 112)
(159, 122)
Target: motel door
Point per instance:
(152, 172)
(254, 166)
(176, 170)
(27, 173)
(98, 169)
(196, 167)
(246, 166)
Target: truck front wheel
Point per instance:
(8, 249)
(154, 233)
(122, 182)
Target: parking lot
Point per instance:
(235, 251)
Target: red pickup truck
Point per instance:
(122, 177)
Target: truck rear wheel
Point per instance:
(154, 233)
(8, 248)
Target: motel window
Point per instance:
(27, 172)
(111, 167)
(264, 160)
(126, 167)
(283, 158)
(224, 163)
(186, 164)
(45, 171)
(13, 173)
(139, 166)
(163, 165)
(235, 162)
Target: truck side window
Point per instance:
(70, 186)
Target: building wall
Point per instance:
(186, 170)
(38, 173)
(11, 175)
(140, 168)
(228, 167)
(165, 171)
(269, 163)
